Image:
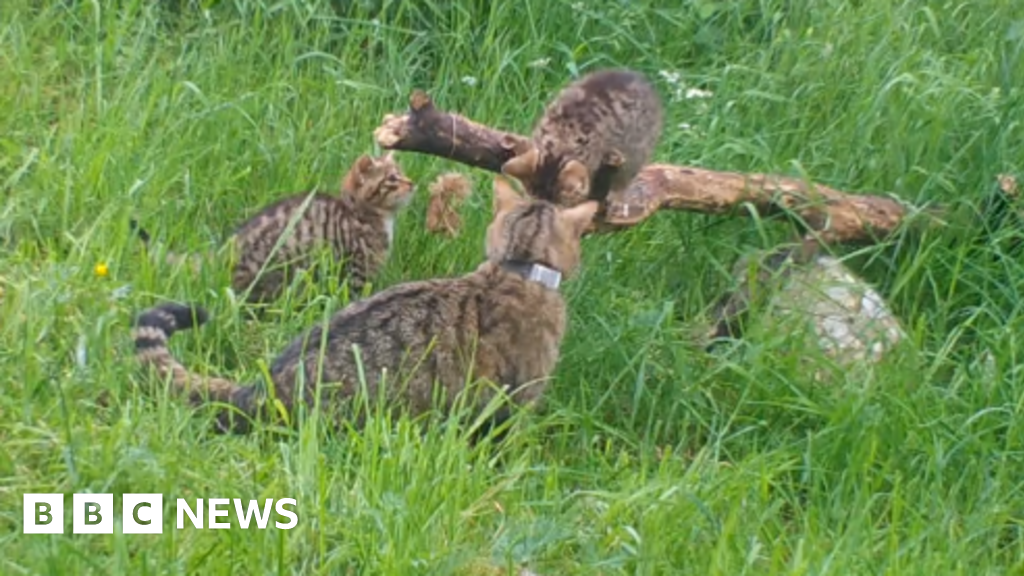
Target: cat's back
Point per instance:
(613, 108)
(500, 320)
(277, 215)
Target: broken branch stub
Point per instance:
(836, 217)
(427, 130)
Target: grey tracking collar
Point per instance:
(536, 272)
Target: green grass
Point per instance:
(650, 456)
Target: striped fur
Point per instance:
(357, 226)
(592, 139)
(493, 323)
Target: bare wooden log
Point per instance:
(835, 216)
(427, 130)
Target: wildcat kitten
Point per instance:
(504, 322)
(592, 139)
(357, 225)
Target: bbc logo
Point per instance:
(93, 514)
(144, 513)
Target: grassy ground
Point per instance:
(651, 457)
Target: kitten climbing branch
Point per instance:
(835, 216)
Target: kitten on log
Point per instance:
(357, 225)
(502, 323)
(835, 216)
(592, 139)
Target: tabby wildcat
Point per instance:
(502, 323)
(357, 226)
(592, 139)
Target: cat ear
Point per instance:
(356, 173)
(574, 181)
(363, 163)
(505, 196)
(523, 166)
(579, 217)
(374, 167)
(389, 157)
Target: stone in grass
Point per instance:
(799, 287)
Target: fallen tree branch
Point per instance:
(427, 130)
(835, 216)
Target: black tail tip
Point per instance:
(171, 316)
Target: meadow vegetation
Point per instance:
(650, 457)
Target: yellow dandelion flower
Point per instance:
(101, 270)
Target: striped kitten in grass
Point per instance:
(502, 323)
(357, 226)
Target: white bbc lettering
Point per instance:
(142, 514)
(214, 513)
(218, 508)
(43, 514)
(92, 514)
(253, 510)
(197, 518)
(281, 510)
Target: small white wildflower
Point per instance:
(698, 93)
(469, 80)
(675, 81)
(577, 6)
(540, 63)
(685, 127)
(670, 77)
